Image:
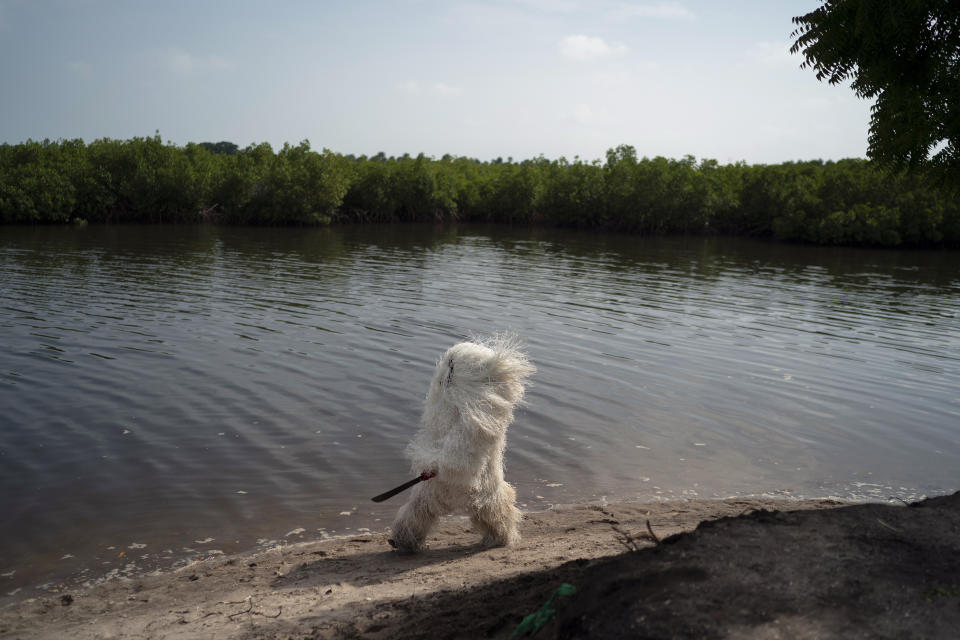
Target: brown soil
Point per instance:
(751, 569)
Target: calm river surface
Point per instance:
(171, 392)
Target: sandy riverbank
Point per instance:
(810, 571)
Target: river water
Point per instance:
(175, 392)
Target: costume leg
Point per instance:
(498, 517)
(415, 519)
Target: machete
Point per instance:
(406, 485)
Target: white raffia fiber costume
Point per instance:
(461, 438)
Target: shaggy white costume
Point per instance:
(461, 438)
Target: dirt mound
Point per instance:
(865, 571)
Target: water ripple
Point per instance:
(173, 384)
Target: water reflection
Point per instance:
(162, 385)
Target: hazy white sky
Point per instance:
(479, 78)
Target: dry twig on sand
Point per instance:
(250, 610)
(632, 541)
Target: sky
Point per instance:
(476, 78)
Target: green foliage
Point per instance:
(224, 147)
(295, 186)
(510, 193)
(419, 192)
(145, 180)
(370, 196)
(906, 55)
(573, 194)
(949, 591)
(531, 624)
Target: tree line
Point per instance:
(850, 202)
